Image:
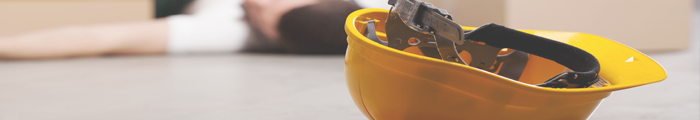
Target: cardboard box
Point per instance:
(647, 25)
(19, 16)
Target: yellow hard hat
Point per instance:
(391, 84)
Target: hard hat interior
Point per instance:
(612, 55)
(537, 71)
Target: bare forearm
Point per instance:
(148, 37)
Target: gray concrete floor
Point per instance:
(258, 87)
(676, 98)
(205, 87)
(262, 87)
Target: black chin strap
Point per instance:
(413, 18)
(584, 65)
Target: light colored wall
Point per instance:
(643, 24)
(647, 25)
(19, 16)
(473, 12)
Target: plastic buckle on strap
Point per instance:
(438, 37)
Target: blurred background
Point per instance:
(644, 25)
(263, 86)
(19, 16)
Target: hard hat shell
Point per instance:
(388, 84)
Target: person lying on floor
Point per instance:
(215, 26)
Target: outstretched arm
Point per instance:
(146, 37)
